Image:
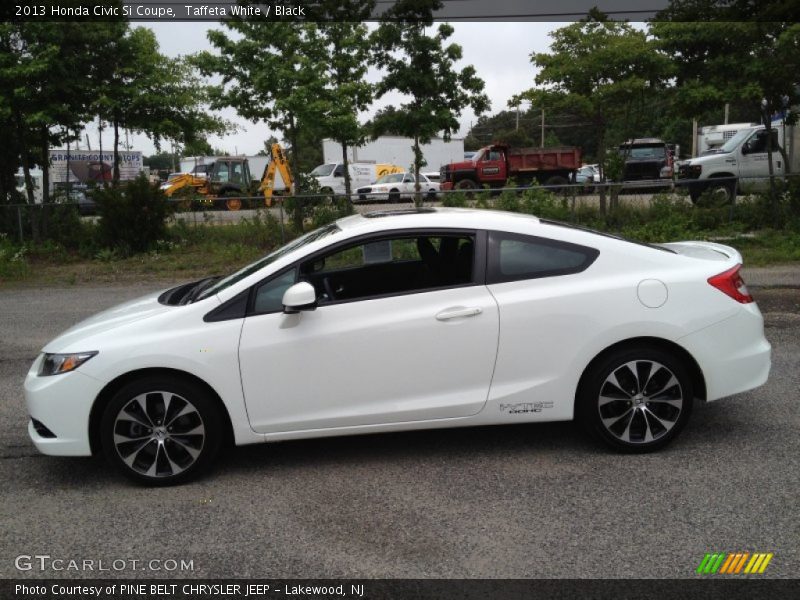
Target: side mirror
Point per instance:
(301, 296)
(746, 148)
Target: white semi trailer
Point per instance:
(398, 151)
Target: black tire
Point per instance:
(466, 184)
(394, 196)
(431, 195)
(722, 192)
(647, 419)
(173, 438)
(557, 184)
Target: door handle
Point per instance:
(457, 312)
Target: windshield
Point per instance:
(392, 178)
(732, 143)
(312, 236)
(644, 152)
(323, 170)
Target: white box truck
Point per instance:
(397, 150)
(330, 176)
(740, 165)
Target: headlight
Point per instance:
(56, 364)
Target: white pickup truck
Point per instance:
(738, 166)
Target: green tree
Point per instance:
(46, 72)
(272, 71)
(421, 67)
(599, 70)
(142, 90)
(737, 52)
(346, 45)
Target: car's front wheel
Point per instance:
(161, 431)
(636, 400)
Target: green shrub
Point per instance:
(13, 259)
(132, 216)
(455, 199)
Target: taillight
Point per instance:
(731, 283)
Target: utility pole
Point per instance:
(727, 110)
(542, 144)
(517, 128)
(694, 138)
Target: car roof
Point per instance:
(440, 217)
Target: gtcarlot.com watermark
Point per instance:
(45, 562)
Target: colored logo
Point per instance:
(734, 563)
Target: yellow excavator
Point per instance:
(227, 180)
(277, 164)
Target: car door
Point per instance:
(753, 162)
(405, 330)
(543, 301)
(492, 166)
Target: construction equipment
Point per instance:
(279, 164)
(225, 179)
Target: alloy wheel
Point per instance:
(640, 401)
(159, 434)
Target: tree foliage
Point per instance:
(422, 67)
(271, 71)
(345, 42)
(144, 91)
(735, 52)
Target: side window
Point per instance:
(513, 257)
(236, 173)
(392, 266)
(758, 143)
(269, 295)
(338, 171)
(222, 172)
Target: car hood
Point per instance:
(116, 316)
(706, 158)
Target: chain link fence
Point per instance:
(26, 222)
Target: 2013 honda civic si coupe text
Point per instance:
(405, 319)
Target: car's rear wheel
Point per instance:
(161, 431)
(636, 400)
(394, 196)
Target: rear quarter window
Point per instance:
(514, 257)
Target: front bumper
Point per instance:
(62, 403)
(733, 354)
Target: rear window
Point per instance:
(513, 257)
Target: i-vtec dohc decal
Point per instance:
(525, 407)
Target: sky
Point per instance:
(500, 52)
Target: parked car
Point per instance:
(588, 176)
(77, 194)
(397, 186)
(399, 320)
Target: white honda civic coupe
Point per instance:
(399, 320)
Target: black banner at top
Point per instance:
(299, 10)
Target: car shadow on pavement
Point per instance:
(414, 447)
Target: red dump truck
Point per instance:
(493, 165)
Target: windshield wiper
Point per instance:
(199, 287)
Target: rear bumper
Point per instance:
(733, 354)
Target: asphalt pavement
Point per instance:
(511, 502)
